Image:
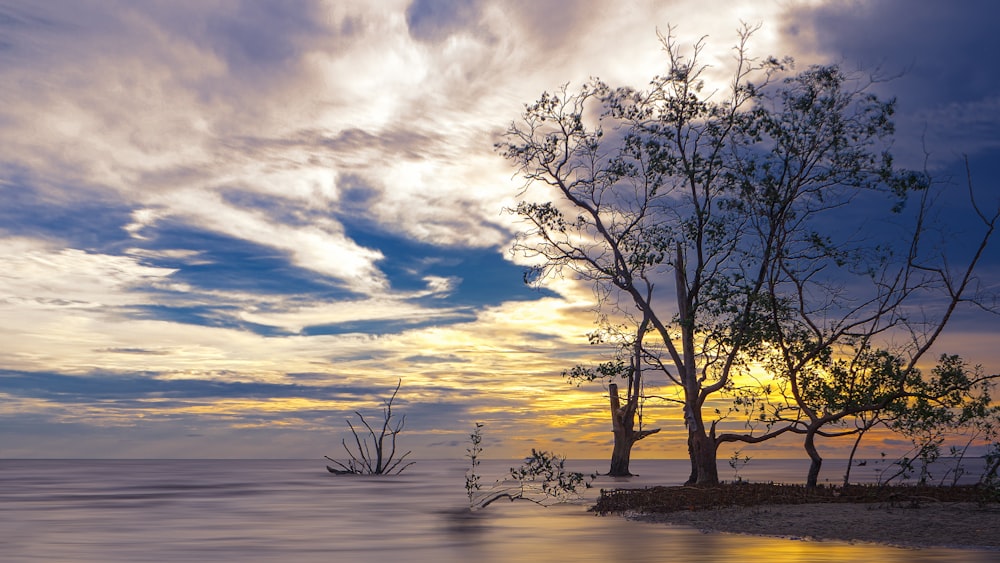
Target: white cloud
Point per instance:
(321, 246)
(296, 318)
(163, 118)
(33, 272)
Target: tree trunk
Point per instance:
(704, 468)
(621, 453)
(850, 458)
(701, 448)
(693, 477)
(814, 457)
(623, 427)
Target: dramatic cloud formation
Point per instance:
(226, 226)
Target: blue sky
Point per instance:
(225, 226)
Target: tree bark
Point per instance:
(702, 448)
(704, 468)
(625, 435)
(850, 458)
(621, 453)
(693, 477)
(816, 462)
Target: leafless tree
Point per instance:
(377, 457)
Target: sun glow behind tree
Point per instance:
(759, 214)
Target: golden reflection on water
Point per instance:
(523, 532)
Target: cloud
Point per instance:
(228, 211)
(449, 358)
(320, 246)
(434, 20)
(947, 91)
(370, 315)
(236, 383)
(71, 277)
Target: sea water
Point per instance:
(296, 511)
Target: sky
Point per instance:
(227, 225)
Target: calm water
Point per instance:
(291, 511)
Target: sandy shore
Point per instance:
(930, 524)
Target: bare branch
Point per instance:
(383, 460)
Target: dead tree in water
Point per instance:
(379, 457)
(625, 434)
(626, 412)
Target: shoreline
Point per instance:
(951, 525)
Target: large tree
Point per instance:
(713, 221)
(855, 299)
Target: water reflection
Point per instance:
(296, 511)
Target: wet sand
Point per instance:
(927, 524)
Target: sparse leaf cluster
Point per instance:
(542, 479)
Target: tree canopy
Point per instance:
(761, 225)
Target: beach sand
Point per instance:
(926, 524)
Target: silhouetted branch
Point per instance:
(363, 460)
(542, 478)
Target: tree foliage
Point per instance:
(541, 478)
(763, 225)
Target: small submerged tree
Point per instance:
(374, 453)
